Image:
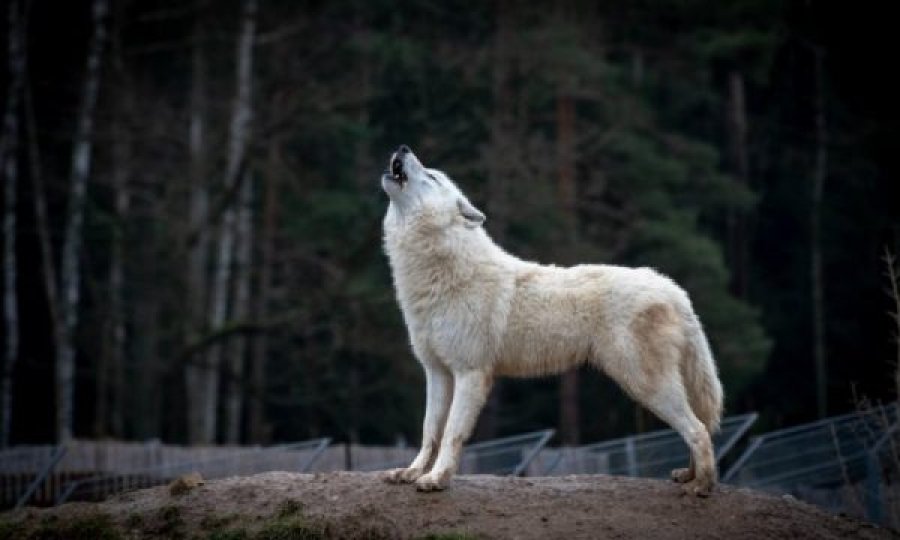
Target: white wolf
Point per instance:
(474, 312)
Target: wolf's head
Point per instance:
(414, 189)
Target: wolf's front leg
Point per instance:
(438, 390)
(469, 394)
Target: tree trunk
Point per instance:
(502, 133)
(258, 427)
(218, 311)
(818, 294)
(42, 222)
(237, 347)
(121, 157)
(198, 249)
(364, 172)
(566, 192)
(737, 218)
(9, 154)
(70, 275)
(146, 399)
(42, 226)
(239, 136)
(893, 291)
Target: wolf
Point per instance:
(475, 312)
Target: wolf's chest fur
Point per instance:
(454, 303)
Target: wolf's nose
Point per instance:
(403, 149)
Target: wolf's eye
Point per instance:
(433, 177)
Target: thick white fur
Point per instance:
(474, 312)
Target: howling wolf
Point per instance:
(474, 312)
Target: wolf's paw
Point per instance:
(682, 476)
(402, 476)
(432, 482)
(697, 488)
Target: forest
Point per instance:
(192, 243)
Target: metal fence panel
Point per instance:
(839, 463)
(24, 472)
(15, 460)
(651, 455)
(297, 457)
(503, 456)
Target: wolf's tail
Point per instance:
(701, 381)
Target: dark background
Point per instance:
(479, 90)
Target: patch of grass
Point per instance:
(288, 523)
(448, 536)
(217, 527)
(10, 530)
(170, 523)
(134, 521)
(374, 533)
(292, 528)
(96, 527)
(217, 522)
(229, 534)
(87, 527)
(288, 508)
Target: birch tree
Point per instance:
(121, 158)
(237, 347)
(198, 235)
(70, 269)
(9, 145)
(237, 150)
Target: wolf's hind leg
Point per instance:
(645, 361)
(685, 474)
(670, 404)
(469, 394)
(438, 388)
(660, 390)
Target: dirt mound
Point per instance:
(360, 505)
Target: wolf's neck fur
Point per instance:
(431, 257)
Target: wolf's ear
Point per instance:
(473, 216)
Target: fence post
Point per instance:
(631, 457)
(735, 468)
(39, 479)
(873, 494)
(533, 452)
(316, 453)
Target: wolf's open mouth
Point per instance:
(397, 171)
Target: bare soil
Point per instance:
(360, 505)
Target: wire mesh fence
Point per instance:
(847, 463)
(651, 455)
(296, 457)
(504, 456)
(24, 472)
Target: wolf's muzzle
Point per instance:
(397, 172)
